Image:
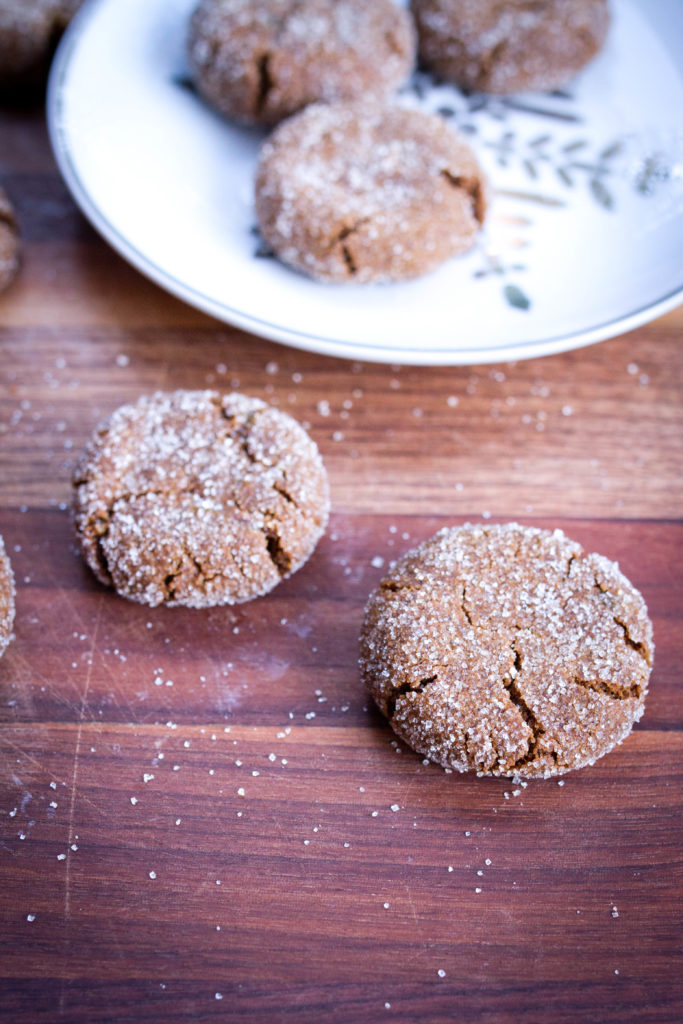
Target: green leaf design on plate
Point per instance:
(516, 297)
(601, 193)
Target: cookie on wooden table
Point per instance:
(494, 47)
(198, 498)
(507, 650)
(9, 242)
(351, 192)
(258, 61)
(29, 31)
(6, 599)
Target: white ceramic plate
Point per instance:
(584, 238)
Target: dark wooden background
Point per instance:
(351, 882)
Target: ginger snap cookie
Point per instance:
(6, 599)
(258, 61)
(9, 242)
(198, 498)
(29, 30)
(493, 47)
(347, 192)
(507, 650)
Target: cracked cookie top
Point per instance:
(358, 192)
(6, 599)
(494, 47)
(198, 498)
(9, 242)
(258, 61)
(507, 650)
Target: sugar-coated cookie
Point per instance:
(488, 46)
(358, 193)
(258, 61)
(507, 650)
(199, 498)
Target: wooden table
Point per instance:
(350, 882)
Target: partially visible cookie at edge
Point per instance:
(355, 192)
(198, 498)
(9, 242)
(507, 650)
(258, 61)
(6, 599)
(29, 31)
(494, 47)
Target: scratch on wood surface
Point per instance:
(72, 806)
(418, 927)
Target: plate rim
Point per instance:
(321, 344)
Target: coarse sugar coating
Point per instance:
(198, 498)
(6, 599)
(494, 47)
(258, 61)
(9, 242)
(358, 193)
(507, 650)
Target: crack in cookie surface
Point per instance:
(531, 670)
(197, 498)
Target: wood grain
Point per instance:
(350, 882)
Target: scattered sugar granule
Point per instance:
(219, 995)
(441, 972)
(61, 856)
(377, 562)
(147, 777)
(133, 800)
(615, 912)
(395, 807)
(477, 889)
(152, 874)
(30, 917)
(386, 905)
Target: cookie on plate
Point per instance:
(258, 61)
(9, 242)
(507, 650)
(6, 599)
(351, 192)
(493, 47)
(29, 30)
(198, 498)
